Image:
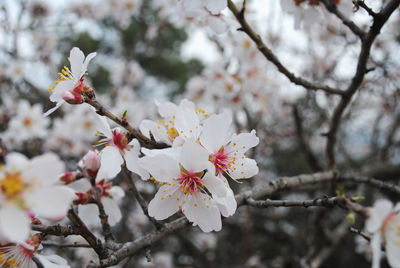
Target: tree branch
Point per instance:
(366, 44)
(245, 27)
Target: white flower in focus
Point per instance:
(70, 85)
(384, 224)
(227, 152)
(186, 187)
(28, 123)
(117, 149)
(21, 255)
(30, 186)
(179, 123)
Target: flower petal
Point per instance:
(162, 167)
(76, 58)
(111, 161)
(14, 223)
(66, 85)
(49, 112)
(215, 132)
(194, 157)
(45, 169)
(165, 202)
(244, 168)
(86, 62)
(112, 210)
(216, 6)
(132, 163)
(244, 141)
(378, 213)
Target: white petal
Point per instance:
(216, 6)
(52, 261)
(161, 167)
(45, 169)
(245, 168)
(217, 24)
(187, 123)
(112, 210)
(76, 58)
(86, 62)
(165, 202)
(244, 141)
(215, 132)
(203, 212)
(132, 163)
(14, 223)
(378, 213)
(376, 249)
(117, 193)
(194, 157)
(104, 127)
(89, 213)
(159, 131)
(80, 185)
(66, 85)
(166, 109)
(111, 161)
(54, 108)
(17, 161)
(392, 238)
(52, 202)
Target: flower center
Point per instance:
(120, 140)
(27, 121)
(221, 160)
(12, 185)
(190, 182)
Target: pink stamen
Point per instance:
(190, 182)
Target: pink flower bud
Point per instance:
(90, 164)
(68, 177)
(72, 97)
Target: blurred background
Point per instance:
(151, 50)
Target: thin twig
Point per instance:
(69, 245)
(103, 215)
(245, 27)
(318, 202)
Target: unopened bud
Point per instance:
(90, 164)
(72, 97)
(81, 199)
(68, 177)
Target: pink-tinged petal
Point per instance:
(215, 132)
(132, 163)
(194, 157)
(14, 223)
(376, 250)
(51, 203)
(111, 161)
(392, 238)
(216, 6)
(54, 108)
(45, 169)
(63, 86)
(245, 168)
(165, 203)
(112, 210)
(159, 131)
(162, 167)
(244, 141)
(378, 213)
(52, 261)
(76, 58)
(86, 62)
(203, 212)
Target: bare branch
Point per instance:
(366, 44)
(318, 202)
(332, 7)
(70, 245)
(245, 27)
(102, 215)
(56, 230)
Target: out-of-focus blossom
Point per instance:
(90, 164)
(30, 186)
(384, 224)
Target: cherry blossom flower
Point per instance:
(186, 186)
(29, 186)
(21, 255)
(117, 149)
(178, 124)
(70, 86)
(227, 152)
(384, 224)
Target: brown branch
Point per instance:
(101, 110)
(245, 27)
(361, 3)
(56, 230)
(318, 202)
(102, 215)
(366, 44)
(332, 7)
(363, 235)
(70, 245)
(140, 199)
(92, 240)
